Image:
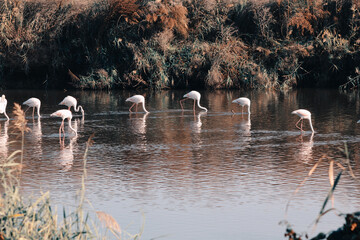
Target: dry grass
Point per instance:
(161, 44)
(170, 17)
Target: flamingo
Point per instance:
(303, 114)
(136, 99)
(3, 103)
(64, 113)
(243, 101)
(33, 102)
(71, 101)
(195, 96)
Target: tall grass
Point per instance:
(22, 218)
(177, 44)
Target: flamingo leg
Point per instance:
(60, 129)
(26, 109)
(298, 123)
(136, 107)
(131, 107)
(242, 109)
(33, 112)
(301, 124)
(69, 108)
(194, 105)
(181, 103)
(6, 116)
(63, 127)
(62, 143)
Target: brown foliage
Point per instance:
(302, 21)
(130, 10)
(164, 39)
(227, 56)
(305, 18)
(264, 19)
(172, 17)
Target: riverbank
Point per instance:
(178, 44)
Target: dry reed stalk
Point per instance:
(20, 125)
(109, 222)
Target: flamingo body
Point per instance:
(3, 103)
(303, 114)
(195, 95)
(70, 101)
(243, 101)
(34, 103)
(137, 99)
(64, 114)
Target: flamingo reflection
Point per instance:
(305, 149)
(138, 124)
(242, 129)
(4, 137)
(36, 137)
(138, 127)
(66, 154)
(244, 123)
(195, 126)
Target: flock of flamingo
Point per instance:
(70, 101)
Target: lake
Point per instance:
(209, 175)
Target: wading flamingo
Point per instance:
(136, 99)
(71, 101)
(243, 101)
(195, 96)
(3, 103)
(303, 114)
(33, 102)
(64, 114)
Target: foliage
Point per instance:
(178, 43)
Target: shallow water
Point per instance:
(213, 175)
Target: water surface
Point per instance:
(213, 175)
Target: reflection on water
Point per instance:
(195, 126)
(195, 176)
(305, 148)
(138, 123)
(4, 140)
(66, 154)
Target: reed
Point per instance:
(350, 230)
(154, 44)
(23, 218)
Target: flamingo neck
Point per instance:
(143, 104)
(79, 108)
(311, 126)
(71, 126)
(38, 111)
(198, 103)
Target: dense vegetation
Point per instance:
(160, 44)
